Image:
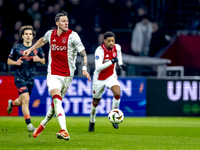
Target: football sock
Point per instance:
(49, 115)
(93, 113)
(27, 118)
(116, 102)
(28, 121)
(59, 111)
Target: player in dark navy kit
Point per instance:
(24, 72)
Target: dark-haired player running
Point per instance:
(24, 72)
(64, 44)
(106, 58)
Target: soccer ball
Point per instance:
(116, 116)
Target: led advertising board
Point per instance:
(173, 97)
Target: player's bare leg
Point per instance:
(116, 100)
(94, 105)
(24, 98)
(25, 103)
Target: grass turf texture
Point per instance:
(134, 133)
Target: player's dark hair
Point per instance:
(62, 13)
(108, 34)
(23, 28)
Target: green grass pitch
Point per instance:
(140, 133)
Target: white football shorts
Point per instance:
(98, 86)
(59, 82)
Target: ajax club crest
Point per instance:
(114, 54)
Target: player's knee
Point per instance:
(117, 93)
(20, 103)
(96, 102)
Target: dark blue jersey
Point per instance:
(27, 68)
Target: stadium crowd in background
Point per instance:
(88, 18)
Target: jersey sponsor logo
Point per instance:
(96, 57)
(27, 57)
(56, 47)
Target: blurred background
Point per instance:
(171, 28)
(160, 42)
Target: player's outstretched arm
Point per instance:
(38, 44)
(84, 64)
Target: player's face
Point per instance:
(27, 36)
(109, 42)
(63, 23)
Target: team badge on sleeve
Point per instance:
(11, 52)
(96, 57)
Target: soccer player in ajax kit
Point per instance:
(63, 49)
(24, 72)
(106, 57)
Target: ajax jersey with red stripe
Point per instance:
(63, 51)
(104, 68)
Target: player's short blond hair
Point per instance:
(23, 28)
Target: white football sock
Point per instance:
(60, 114)
(93, 113)
(115, 103)
(49, 116)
